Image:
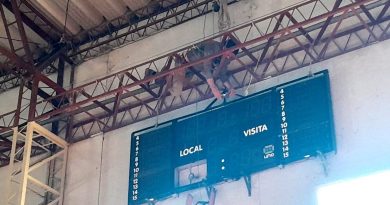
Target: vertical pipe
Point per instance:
(19, 105)
(68, 136)
(33, 98)
(55, 129)
(60, 82)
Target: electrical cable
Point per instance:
(100, 170)
(204, 26)
(66, 19)
(224, 16)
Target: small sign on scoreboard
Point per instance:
(277, 126)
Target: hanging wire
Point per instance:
(224, 16)
(311, 61)
(204, 26)
(251, 77)
(101, 169)
(66, 20)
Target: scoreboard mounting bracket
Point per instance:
(324, 163)
(248, 183)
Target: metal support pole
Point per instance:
(248, 184)
(33, 99)
(19, 106)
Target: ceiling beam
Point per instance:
(31, 24)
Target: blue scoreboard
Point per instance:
(278, 126)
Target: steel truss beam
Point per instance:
(299, 36)
(19, 68)
(283, 42)
(136, 25)
(36, 21)
(41, 26)
(9, 78)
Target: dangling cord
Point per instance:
(101, 167)
(224, 16)
(204, 26)
(311, 48)
(251, 77)
(66, 19)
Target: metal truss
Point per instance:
(19, 67)
(16, 57)
(136, 25)
(305, 34)
(21, 180)
(27, 14)
(132, 26)
(36, 21)
(47, 65)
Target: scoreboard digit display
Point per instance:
(278, 126)
(151, 164)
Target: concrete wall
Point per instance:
(82, 184)
(360, 95)
(33, 192)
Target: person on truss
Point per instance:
(179, 79)
(216, 67)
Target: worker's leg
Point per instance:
(205, 67)
(207, 71)
(223, 75)
(214, 88)
(177, 80)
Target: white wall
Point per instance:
(359, 85)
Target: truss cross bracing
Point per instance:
(307, 33)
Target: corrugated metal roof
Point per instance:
(86, 14)
(82, 17)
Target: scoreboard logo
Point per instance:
(255, 130)
(191, 150)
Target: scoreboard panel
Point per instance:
(306, 120)
(281, 125)
(151, 164)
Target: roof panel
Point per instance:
(108, 8)
(84, 19)
(136, 4)
(56, 14)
